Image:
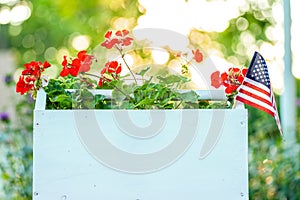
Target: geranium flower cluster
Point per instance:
(80, 64)
(111, 71)
(118, 40)
(31, 78)
(231, 79)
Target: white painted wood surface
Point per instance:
(214, 166)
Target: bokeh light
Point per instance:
(15, 15)
(160, 56)
(81, 42)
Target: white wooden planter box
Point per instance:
(127, 155)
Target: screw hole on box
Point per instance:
(63, 197)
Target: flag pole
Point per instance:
(288, 98)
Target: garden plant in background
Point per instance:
(16, 153)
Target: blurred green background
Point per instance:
(46, 30)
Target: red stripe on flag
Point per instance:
(256, 88)
(255, 97)
(255, 105)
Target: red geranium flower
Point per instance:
(216, 80)
(23, 87)
(80, 64)
(231, 79)
(85, 61)
(113, 68)
(198, 56)
(31, 76)
(120, 38)
(72, 68)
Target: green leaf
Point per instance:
(60, 98)
(171, 79)
(190, 96)
(144, 71)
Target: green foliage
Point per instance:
(57, 96)
(72, 93)
(273, 174)
(16, 153)
(252, 22)
(53, 25)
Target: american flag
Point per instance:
(256, 89)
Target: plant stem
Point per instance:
(96, 76)
(123, 58)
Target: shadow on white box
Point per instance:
(140, 154)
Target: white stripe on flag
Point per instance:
(253, 91)
(257, 84)
(258, 102)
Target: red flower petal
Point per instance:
(127, 41)
(64, 72)
(82, 55)
(74, 71)
(103, 70)
(108, 34)
(118, 33)
(100, 82)
(46, 64)
(240, 79)
(216, 80)
(104, 43)
(85, 67)
(244, 71)
(198, 56)
(110, 43)
(125, 32)
(233, 69)
(230, 89)
(64, 62)
(224, 76)
(119, 69)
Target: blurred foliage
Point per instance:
(273, 174)
(53, 25)
(16, 152)
(245, 33)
